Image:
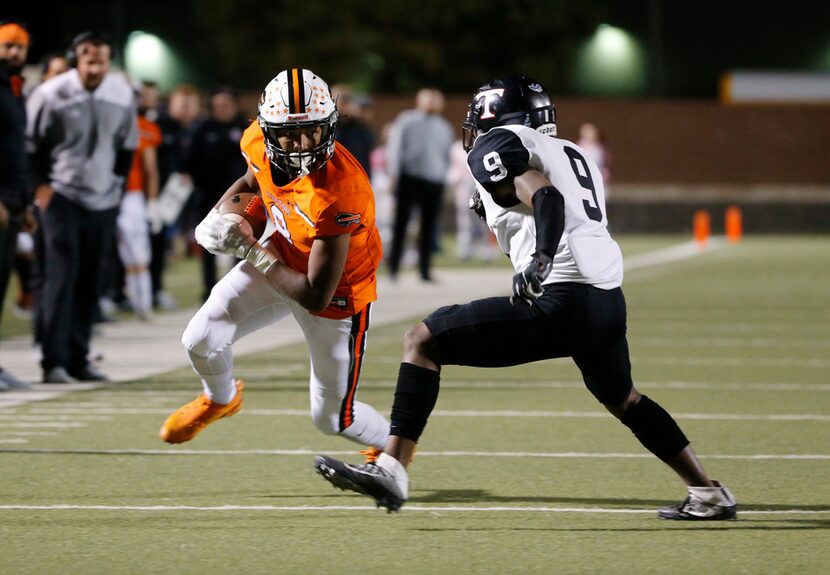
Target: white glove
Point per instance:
(219, 234)
(154, 217)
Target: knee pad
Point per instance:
(326, 421)
(655, 428)
(194, 341)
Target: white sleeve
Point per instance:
(393, 148)
(38, 119)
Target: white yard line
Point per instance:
(603, 414)
(789, 362)
(122, 396)
(405, 509)
(45, 424)
(456, 413)
(173, 451)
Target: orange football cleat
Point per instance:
(370, 454)
(186, 422)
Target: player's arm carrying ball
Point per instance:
(238, 219)
(234, 224)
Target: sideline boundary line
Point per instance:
(677, 252)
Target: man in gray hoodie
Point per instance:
(82, 134)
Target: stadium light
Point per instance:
(612, 62)
(148, 57)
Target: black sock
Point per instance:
(655, 428)
(415, 397)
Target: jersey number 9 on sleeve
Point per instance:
(583, 176)
(492, 163)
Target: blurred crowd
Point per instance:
(104, 179)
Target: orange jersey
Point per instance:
(149, 136)
(336, 199)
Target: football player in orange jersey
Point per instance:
(319, 265)
(142, 190)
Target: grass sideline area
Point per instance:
(183, 277)
(519, 470)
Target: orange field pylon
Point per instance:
(702, 225)
(733, 223)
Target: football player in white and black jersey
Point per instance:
(544, 199)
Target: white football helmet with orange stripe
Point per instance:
(297, 99)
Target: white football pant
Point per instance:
(243, 302)
(134, 250)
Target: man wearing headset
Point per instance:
(82, 134)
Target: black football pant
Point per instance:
(427, 196)
(8, 247)
(568, 320)
(75, 243)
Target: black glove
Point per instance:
(477, 205)
(527, 284)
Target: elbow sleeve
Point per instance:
(549, 215)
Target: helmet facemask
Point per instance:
(297, 100)
(299, 163)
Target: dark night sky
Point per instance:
(697, 41)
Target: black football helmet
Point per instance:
(511, 99)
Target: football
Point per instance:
(246, 207)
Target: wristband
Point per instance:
(262, 259)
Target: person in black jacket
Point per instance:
(215, 163)
(352, 130)
(15, 212)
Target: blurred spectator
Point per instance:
(215, 163)
(473, 239)
(352, 130)
(418, 156)
(51, 65)
(381, 185)
(82, 132)
(593, 142)
(178, 124)
(14, 194)
(142, 188)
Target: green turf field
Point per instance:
(519, 470)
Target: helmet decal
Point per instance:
(488, 95)
(296, 92)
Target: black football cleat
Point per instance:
(388, 489)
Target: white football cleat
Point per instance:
(703, 504)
